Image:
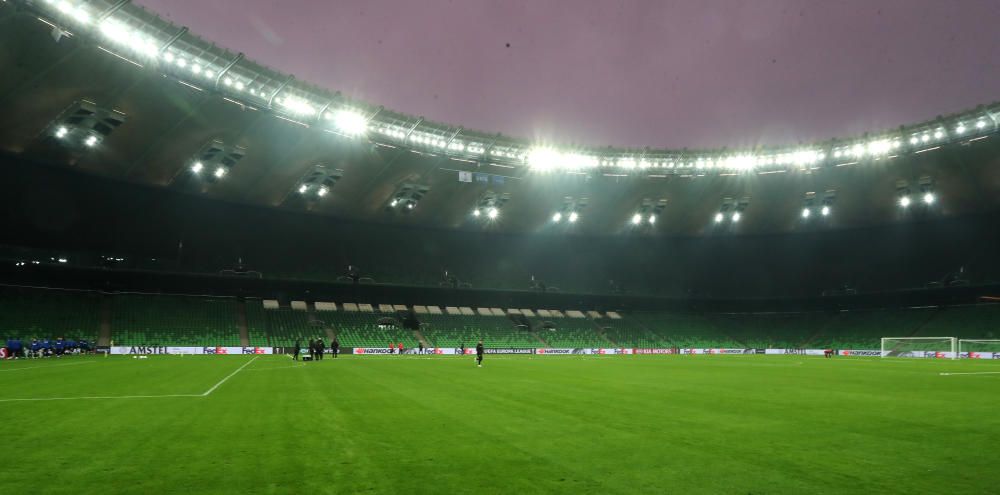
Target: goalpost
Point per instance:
(972, 346)
(946, 347)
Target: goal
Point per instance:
(975, 348)
(942, 347)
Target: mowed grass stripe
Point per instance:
(581, 424)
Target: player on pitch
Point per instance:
(479, 354)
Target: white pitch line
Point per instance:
(205, 394)
(228, 377)
(47, 366)
(98, 397)
(973, 373)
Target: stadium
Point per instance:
(218, 278)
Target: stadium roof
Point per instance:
(177, 93)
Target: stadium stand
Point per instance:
(454, 330)
(569, 332)
(174, 320)
(44, 314)
(280, 327)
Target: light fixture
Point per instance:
(960, 129)
(929, 198)
(636, 219)
(573, 216)
(303, 188)
(980, 124)
(557, 217)
(652, 219)
(825, 211)
(476, 212)
(61, 132)
(90, 141)
(805, 213)
(492, 213)
(718, 217)
(322, 191)
(409, 206)
(350, 122)
(197, 167)
(736, 217)
(220, 172)
(904, 201)
(394, 202)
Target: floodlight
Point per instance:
(90, 141)
(914, 140)
(825, 211)
(960, 129)
(196, 69)
(209, 74)
(980, 124)
(805, 213)
(929, 198)
(228, 81)
(394, 202)
(322, 191)
(61, 132)
(652, 219)
(350, 122)
(492, 213)
(925, 138)
(736, 217)
(557, 217)
(636, 219)
(476, 212)
(938, 134)
(573, 216)
(240, 86)
(62, 260)
(904, 201)
(718, 217)
(409, 206)
(181, 63)
(220, 172)
(169, 57)
(196, 167)
(303, 188)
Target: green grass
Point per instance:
(577, 424)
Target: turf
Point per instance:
(579, 424)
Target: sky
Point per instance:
(661, 73)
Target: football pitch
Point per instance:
(432, 424)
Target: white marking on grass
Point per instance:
(228, 377)
(102, 397)
(47, 366)
(205, 394)
(973, 373)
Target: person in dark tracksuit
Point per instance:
(335, 347)
(312, 349)
(479, 354)
(320, 347)
(295, 351)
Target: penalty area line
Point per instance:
(972, 373)
(209, 391)
(165, 396)
(101, 397)
(47, 366)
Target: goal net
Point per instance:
(940, 347)
(978, 348)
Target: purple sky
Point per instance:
(646, 73)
